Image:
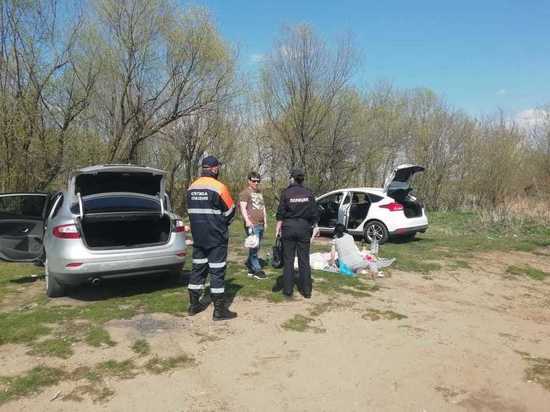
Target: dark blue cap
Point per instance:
(210, 161)
(297, 172)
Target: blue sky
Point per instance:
(480, 55)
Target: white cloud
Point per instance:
(502, 92)
(532, 118)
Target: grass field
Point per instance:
(47, 328)
(451, 242)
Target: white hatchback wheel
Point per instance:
(376, 230)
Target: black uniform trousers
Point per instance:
(211, 260)
(296, 236)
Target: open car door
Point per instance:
(22, 219)
(343, 211)
(330, 211)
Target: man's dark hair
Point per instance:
(339, 230)
(253, 175)
(299, 179)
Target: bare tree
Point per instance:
(42, 90)
(300, 83)
(384, 126)
(436, 139)
(161, 63)
(183, 143)
(539, 134)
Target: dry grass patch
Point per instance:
(91, 379)
(528, 271)
(94, 392)
(141, 347)
(97, 336)
(538, 370)
(57, 347)
(158, 365)
(300, 323)
(29, 383)
(375, 314)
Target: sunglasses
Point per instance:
(255, 180)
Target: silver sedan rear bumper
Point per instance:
(74, 279)
(73, 263)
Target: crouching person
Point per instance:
(211, 210)
(348, 252)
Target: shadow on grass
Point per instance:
(146, 285)
(127, 287)
(278, 286)
(232, 288)
(404, 240)
(27, 279)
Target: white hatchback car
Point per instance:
(378, 213)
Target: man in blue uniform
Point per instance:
(211, 210)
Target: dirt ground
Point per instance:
(462, 343)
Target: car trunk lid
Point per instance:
(118, 178)
(118, 190)
(400, 177)
(398, 187)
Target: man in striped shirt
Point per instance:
(211, 210)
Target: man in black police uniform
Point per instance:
(297, 217)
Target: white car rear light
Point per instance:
(66, 232)
(393, 207)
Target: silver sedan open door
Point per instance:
(22, 220)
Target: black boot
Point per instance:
(304, 291)
(220, 311)
(195, 306)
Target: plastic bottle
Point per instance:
(374, 247)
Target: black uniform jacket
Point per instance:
(298, 203)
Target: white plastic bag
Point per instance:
(251, 242)
(317, 261)
(379, 263)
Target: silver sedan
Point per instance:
(112, 221)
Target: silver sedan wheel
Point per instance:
(53, 288)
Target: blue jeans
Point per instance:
(253, 263)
